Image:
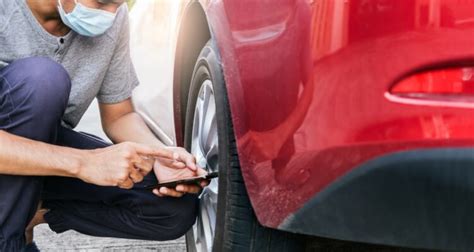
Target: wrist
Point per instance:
(78, 164)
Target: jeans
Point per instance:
(33, 96)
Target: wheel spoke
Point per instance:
(212, 157)
(196, 147)
(204, 96)
(209, 118)
(205, 148)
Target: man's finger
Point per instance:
(188, 159)
(181, 188)
(190, 162)
(149, 161)
(135, 175)
(153, 152)
(127, 184)
(170, 192)
(172, 163)
(178, 165)
(157, 193)
(201, 171)
(144, 166)
(204, 183)
(188, 188)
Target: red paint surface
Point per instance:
(307, 83)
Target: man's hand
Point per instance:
(182, 166)
(121, 123)
(121, 165)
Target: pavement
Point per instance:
(47, 240)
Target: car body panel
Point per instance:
(307, 82)
(348, 54)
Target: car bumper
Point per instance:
(419, 199)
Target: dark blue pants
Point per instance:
(33, 96)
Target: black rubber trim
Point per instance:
(418, 199)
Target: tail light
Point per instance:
(452, 84)
(454, 81)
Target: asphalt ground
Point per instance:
(47, 240)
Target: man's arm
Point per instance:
(112, 166)
(21, 156)
(121, 123)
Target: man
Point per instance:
(55, 57)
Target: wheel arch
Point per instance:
(200, 22)
(193, 33)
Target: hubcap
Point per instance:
(204, 147)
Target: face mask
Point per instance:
(87, 21)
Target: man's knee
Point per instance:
(41, 81)
(185, 216)
(179, 218)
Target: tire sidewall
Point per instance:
(208, 66)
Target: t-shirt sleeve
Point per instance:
(121, 78)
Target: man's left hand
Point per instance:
(182, 166)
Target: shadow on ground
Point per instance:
(47, 240)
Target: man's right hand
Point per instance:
(121, 165)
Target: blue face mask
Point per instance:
(87, 21)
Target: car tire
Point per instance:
(237, 228)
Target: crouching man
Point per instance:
(56, 56)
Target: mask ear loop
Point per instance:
(61, 6)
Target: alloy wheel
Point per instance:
(204, 147)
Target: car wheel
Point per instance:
(226, 221)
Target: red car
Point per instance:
(344, 119)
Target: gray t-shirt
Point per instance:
(99, 67)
